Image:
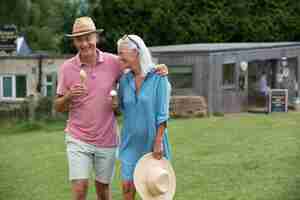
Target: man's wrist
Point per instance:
(67, 97)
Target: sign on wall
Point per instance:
(278, 100)
(8, 36)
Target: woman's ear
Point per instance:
(136, 52)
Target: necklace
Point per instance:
(93, 76)
(91, 71)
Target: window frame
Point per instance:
(14, 89)
(233, 84)
(13, 78)
(171, 68)
(46, 84)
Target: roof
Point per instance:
(22, 47)
(218, 47)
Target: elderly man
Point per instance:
(84, 86)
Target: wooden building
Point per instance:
(228, 74)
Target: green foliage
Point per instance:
(164, 22)
(159, 22)
(44, 107)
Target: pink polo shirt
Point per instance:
(91, 118)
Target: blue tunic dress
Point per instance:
(142, 113)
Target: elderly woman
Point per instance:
(144, 102)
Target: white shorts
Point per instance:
(83, 157)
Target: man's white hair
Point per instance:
(137, 43)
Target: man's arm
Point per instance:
(61, 103)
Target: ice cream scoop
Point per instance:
(83, 76)
(114, 97)
(113, 93)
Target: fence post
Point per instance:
(31, 107)
(53, 93)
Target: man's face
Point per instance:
(86, 44)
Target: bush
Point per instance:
(218, 114)
(44, 107)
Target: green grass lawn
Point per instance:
(237, 157)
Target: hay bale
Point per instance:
(188, 106)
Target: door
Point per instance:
(235, 88)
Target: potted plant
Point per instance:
(296, 100)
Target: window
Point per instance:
(181, 76)
(48, 85)
(21, 86)
(7, 83)
(13, 86)
(228, 74)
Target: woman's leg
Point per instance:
(128, 190)
(127, 181)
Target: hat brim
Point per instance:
(140, 173)
(84, 33)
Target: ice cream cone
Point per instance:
(83, 76)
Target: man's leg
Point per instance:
(103, 191)
(79, 189)
(104, 163)
(128, 190)
(80, 160)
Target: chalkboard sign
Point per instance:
(278, 100)
(8, 36)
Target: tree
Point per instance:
(159, 22)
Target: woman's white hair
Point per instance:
(137, 43)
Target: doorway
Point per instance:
(257, 101)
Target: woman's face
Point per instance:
(128, 57)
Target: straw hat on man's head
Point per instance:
(83, 26)
(154, 179)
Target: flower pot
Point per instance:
(296, 103)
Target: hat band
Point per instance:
(83, 31)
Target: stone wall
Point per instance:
(188, 106)
(10, 110)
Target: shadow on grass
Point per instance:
(293, 191)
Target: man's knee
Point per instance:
(79, 188)
(103, 191)
(101, 186)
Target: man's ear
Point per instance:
(73, 45)
(97, 38)
(100, 38)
